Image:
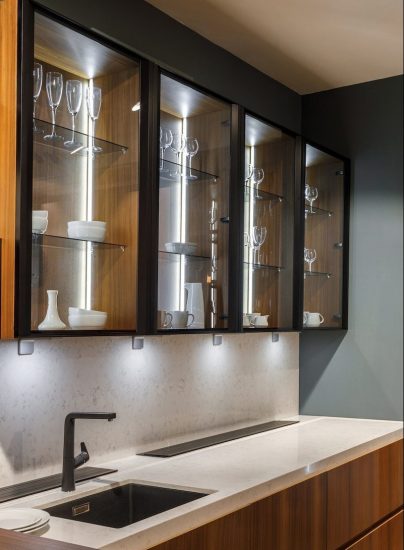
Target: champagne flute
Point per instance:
(74, 94)
(310, 256)
(178, 145)
(257, 175)
(93, 100)
(258, 236)
(54, 89)
(166, 139)
(311, 194)
(38, 75)
(248, 173)
(191, 149)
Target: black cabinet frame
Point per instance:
(150, 74)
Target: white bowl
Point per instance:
(87, 321)
(181, 248)
(39, 225)
(81, 223)
(86, 230)
(80, 311)
(40, 214)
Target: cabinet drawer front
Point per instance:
(362, 492)
(389, 535)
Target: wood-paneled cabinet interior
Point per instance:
(268, 226)
(91, 175)
(193, 208)
(324, 239)
(357, 505)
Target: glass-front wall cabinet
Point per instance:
(268, 227)
(323, 242)
(193, 209)
(85, 182)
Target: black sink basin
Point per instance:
(123, 505)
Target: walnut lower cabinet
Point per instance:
(357, 505)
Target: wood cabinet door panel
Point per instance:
(294, 519)
(362, 492)
(388, 536)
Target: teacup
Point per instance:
(181, 319)
(164, 319)
(247, 319)
(313, 319)
(259, 321)
(305, 313)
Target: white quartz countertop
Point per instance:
(235, 474)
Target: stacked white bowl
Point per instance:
(91, 231)
(39, 221)
(86, 318)
(181, 248)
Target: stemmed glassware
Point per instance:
(54, 89)
(257, 175)
(191, 149)
(178, 146)
(257, 239)
(74, 94)
(310, 256)
(38, 75)
(93, 99)
(166, 139)
(248, 172)
(311, 194)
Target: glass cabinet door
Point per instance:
(323, 242)
(268, 227)
(85, 182)
(193, 209)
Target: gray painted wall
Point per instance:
(360, 373)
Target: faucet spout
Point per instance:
(70, 462)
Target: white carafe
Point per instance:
(195, 304)
(52, 320)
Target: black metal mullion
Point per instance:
(299, 230)
(148, 198)
(236, 190)
(22, 321)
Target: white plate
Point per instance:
(22, 518)
(34, 528)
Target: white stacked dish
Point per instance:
(90, 231)
(181, 248)
(23, 520)
(86, 319)
(39, 221)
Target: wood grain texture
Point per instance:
(362, 492)
(293, 519)
(9, 540)
(387, 536)
(8, 117)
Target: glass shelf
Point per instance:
(259, 194)
(326, 274)
(264, 266)
(83, 141)
(44, 239)
(172, 172)
(187, 256)
(316, 211)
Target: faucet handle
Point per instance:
(83, 457)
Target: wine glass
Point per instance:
(248, 173)
(178, 145)
(257, 175)
(166, 139)
(74, 94)
(257, 239)
(38, 75)
(310, 256)
(93, 99)
(311, 194)
(191, 148)
(54, 89)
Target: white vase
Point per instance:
(52, 320)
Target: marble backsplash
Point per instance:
(176, 385)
